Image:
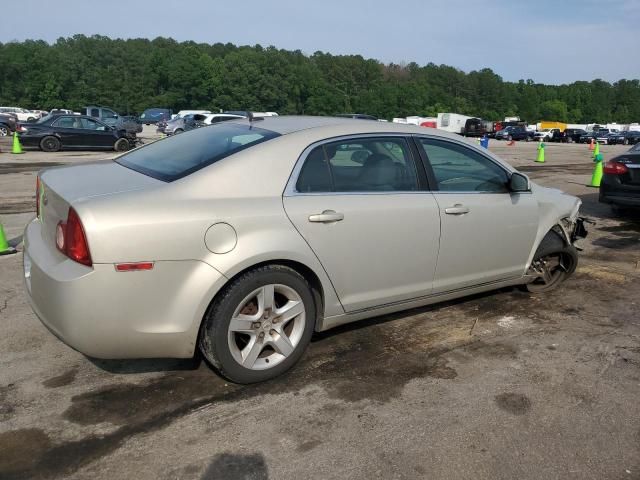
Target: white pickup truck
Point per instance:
(23, 114)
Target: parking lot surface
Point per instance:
(502, 385)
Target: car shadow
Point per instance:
(148, 365)
(592, 208)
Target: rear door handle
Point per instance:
(457, 209)
(327, 216)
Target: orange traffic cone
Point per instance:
(591, 144)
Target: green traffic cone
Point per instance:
(596, 178)
(5, 249)
(540, 158)
(17, 148)
(596, 150)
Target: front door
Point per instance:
(360, 207)
(487, 231)
(95, 134)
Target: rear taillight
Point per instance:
(71, 240)
(615, 168)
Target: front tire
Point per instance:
(259, 325)
(122, 145)
(178, 131)
(4, 131)
(555, 261)
(50, 144)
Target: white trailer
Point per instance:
(452, 122)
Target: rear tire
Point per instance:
(4, 131)
(122, 145)
(178, 131)
(251, 348)
(50, 144)
(557, 259)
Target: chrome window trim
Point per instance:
(290, 188)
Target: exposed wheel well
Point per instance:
(309, 275)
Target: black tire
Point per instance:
(509, 138)
(31, 119)
(553, 246)
(213, 338)
(178, 131)
(122, 145)
(4, 131)
(50, 144)
(527, 139)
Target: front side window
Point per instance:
(460, 169)
(359, 165)
(68, 122)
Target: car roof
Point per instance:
(287, 124)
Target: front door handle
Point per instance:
(327, 216)
(457, 209)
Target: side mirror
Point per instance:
(519, 183)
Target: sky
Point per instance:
(549, 41)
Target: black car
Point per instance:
(621, 180)
(573, 135)
(631, 137)
(514, 133)
(59, 132)
(8, 124)
(155, 115)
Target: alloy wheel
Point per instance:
(551, 269)
(266, 327)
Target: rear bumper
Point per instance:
(615, 192)
(107, 314)
(620, 200)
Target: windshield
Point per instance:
(154, 113)
(178, 156)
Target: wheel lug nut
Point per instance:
(261, 335)
(272, 332)
(256, 325)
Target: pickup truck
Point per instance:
(109, 116)
(514, 133)
(549, 135)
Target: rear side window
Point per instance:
(178, 156)
(359, 165)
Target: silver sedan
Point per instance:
(243, 238)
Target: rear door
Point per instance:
(359, 204)
(487, 232)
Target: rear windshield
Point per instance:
(180, 155)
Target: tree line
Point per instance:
(135, 74)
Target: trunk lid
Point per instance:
(61, 187)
